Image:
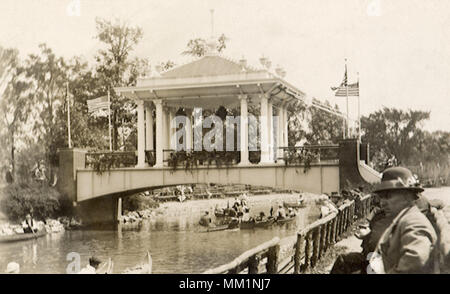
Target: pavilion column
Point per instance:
(264, 133)
(141, 134)
(188, 128)
(280, 134)
(159, 133)
(166, 136)
(148, 126)
(285, 126)
(244, 130)
(172, 130)
(270, 127)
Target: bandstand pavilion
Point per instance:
(210, 82)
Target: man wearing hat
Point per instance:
(407, 245)
(400, 233)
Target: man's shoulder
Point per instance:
(414, 218)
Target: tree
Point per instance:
(325, 127)
(313, 125)
(198, 47)
(14, 105)
(48, 76)
(115, 68)
(394, 132)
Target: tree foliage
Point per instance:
(15, 102)
(198, 47)
(393, 132)
(115, 67)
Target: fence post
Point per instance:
(323, 233)
(298, 253)
(253, 264)
(327, 235)
(316, 245)
(339, 226)
(334, 230)
(272, 259)
(307, 262)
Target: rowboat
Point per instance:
(285, 220)
(22, 237)
(234, 224)
(257, 224)
(225, 212)
(144, 268)
(265, 223)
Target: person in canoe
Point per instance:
(291, 212)
(92, 267)
(261, 217)
(29, 225)
(281, 212)
(205, 220)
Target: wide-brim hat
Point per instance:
(398, 178)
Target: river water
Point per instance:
(177, 245)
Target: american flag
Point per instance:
(353, 90)
(98, 106)
(345, 89)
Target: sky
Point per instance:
(399, 48)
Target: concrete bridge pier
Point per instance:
(102, 210)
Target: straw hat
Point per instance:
(12, 268)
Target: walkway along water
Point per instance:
(297, 253)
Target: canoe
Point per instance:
(144, 268)
(285, 220)
(294, 204)
(105, 267)
(257, 224)
(247, 225)
(22, 237)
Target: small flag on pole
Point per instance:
(98, 106)
(353, 90)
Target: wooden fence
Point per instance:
(297, 253)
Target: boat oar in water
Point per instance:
(106, 267)
(144, 268)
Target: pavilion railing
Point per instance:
(105, 160)
(296, 253)
(309, 153)
(189, 158)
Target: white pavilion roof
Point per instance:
(212, 80)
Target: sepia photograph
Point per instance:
(188, 137)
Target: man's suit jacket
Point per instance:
(409, 246)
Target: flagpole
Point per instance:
(109, 120)
(359, 111)
(346, 92)
(68, 114)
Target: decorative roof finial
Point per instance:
(211, 43)
(212, 22)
